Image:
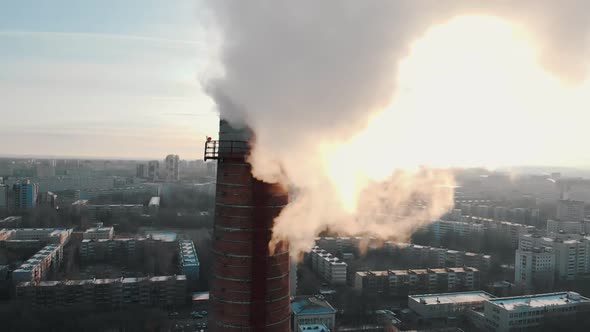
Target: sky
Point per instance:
(103, 78)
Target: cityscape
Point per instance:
(294, 166)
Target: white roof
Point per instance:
(539, 300)
(456, 298)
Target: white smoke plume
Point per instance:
(323, 86)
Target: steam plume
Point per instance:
(310, 76)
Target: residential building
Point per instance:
(153, 170)
(500, 213)
(572, 252)
(33, 237)
(534, 269)
(416, 281)
(527, 313)
(4, 193)
(141, 171)
(442, 228)
(431, 257)
(25, 195)
(189, 260)
(312, 310)
(47, 199)
(568, 227)
(107, 211)
(154, 206)
(446, 305)
(328, 266)
(104, 294)
(570, 210)
(99, 233)
(171, 162)
(37, 267)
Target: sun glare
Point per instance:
(470, 93)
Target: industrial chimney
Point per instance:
(250, 285)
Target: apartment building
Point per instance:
(104, 294)
(404, 282)
(328, 266)
(37, 267)
(572, 252)
(426, 256)
(534, 269)
(189, 261)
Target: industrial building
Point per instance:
(312, 310)
(250, 282)
(328, 267)
(189, 260)
(104, 294)
(404, 282)
(445, 305)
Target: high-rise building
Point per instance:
(47, 199)
(3, 198)
(534, 269)
(25, 195)
(141, 170)
(172, 161)
(250, 282)
(153, 171)
(570, 210)
(572, 253)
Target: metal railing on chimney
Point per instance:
(226, 149)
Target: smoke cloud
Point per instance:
(321, 83)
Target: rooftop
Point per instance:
(539, 300)
(313, 327)
(452, 298)
(311, 305)
(162, 236)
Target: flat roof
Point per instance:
(450, 298)
(539, 300)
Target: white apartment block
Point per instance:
(441, 228)
(534, 269)
(572, 252)
(328, 266)
(36, 268)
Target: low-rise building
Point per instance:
(104, 294)
(312, 310)
(416, 281)
(100, 212)
(99, 233)
(33, 237)
(525, 313)
(445, 305)
(37, 267)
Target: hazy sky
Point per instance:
(104, 78)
